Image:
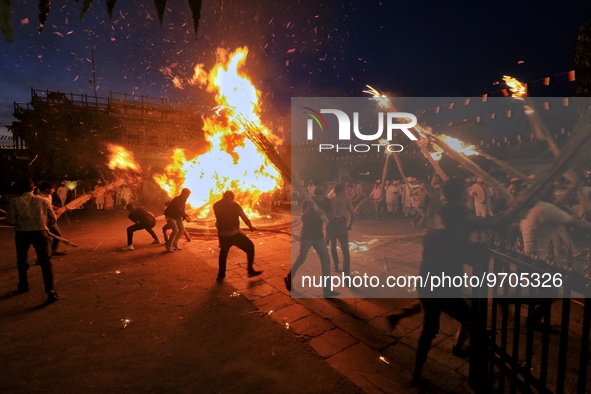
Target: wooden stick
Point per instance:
(466, 163)
(63, 240)
(510, 170)
(433, 162)
(78, 201)
(544, 134)
(268, 149)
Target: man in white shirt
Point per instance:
(545, 222)
(481, 195)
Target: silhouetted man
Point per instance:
(227, 215)
(31, 215)
(143, 220)
(175, 213)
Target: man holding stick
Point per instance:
(228, 214)
(312, 236)
(31, 215)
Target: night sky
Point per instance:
(297, 48)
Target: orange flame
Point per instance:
(518, 89)
(456, 144)
(233, 162)
(121, 159)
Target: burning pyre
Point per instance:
(233, 161)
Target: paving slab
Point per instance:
(332, 342)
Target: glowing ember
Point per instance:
(233, 162)
(518, 89)
(121, 159)
(381, 99)
(456, 144)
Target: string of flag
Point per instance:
(546, 81)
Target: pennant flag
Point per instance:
(505, 93)
(548, 81)
(509, 113)
(467, 101)
(451, 105)
(546, 106)
(478, 119)
(565, 101)
(571, 75)
(437, 110)
(484, 98)
(492, 116)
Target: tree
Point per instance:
(45, 5)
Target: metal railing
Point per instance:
(521, 344)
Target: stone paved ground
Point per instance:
(102, 286)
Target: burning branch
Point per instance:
(464, 161)
(268, 149)
(519, 92)
(573, 148)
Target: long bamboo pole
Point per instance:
(510, 170)
(423, 147)
(465, 162)
(543, 133)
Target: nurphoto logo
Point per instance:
(387, 124)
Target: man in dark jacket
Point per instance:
(143, 220)
(175, 213)
(228, 214)
(445, 252)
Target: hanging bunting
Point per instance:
(571, 75)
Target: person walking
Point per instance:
(62, 194)
(175, 213)
(227, 221)
(144, 220)
(31, 215)
(312, 236)
(341, 219)
(446, 251)
(377, 196)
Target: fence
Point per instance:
(529, 345)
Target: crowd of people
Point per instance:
(452, 210)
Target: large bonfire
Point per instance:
(233, 162)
